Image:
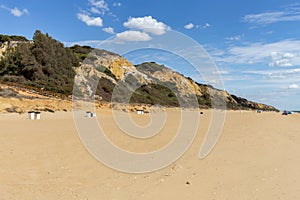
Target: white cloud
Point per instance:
(281, 59)
(18, 13)
(281, 63)
(91, 15)
(206, 25)
(109, 30)
(293, 86)
(290, 13)
(189, 26)
(95, 10)
(117, 4)
(285, 53)
(15, 11)
(147, 24)
(90, 21)
(100, 4)
(132, 36)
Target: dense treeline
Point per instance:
(45, 63)
(7, 38)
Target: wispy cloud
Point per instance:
(221, 72)
(206, 25)
(17, 12)
(285, 53)
(98, 6)
(289, 13)
(94, 13)
(276, 73)
(117, 4)
(277, 79)
(109, 30)
(198, 26)
(95, 10)
(203, 26)
(90, 16)
(234, 38)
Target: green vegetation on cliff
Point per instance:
(81, 52)
(45, 63)
(8, 38)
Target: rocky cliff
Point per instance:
(150, 83)
(105, 76)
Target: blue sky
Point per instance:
(255, 44)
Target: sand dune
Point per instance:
(257, 157)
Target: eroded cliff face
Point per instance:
(118, 70)
(103, 65)
(3, 47)
(116, 64)
(185, 86)
(10, 44)
(108, 62)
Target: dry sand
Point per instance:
(257, 157)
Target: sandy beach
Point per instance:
(256, 157)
